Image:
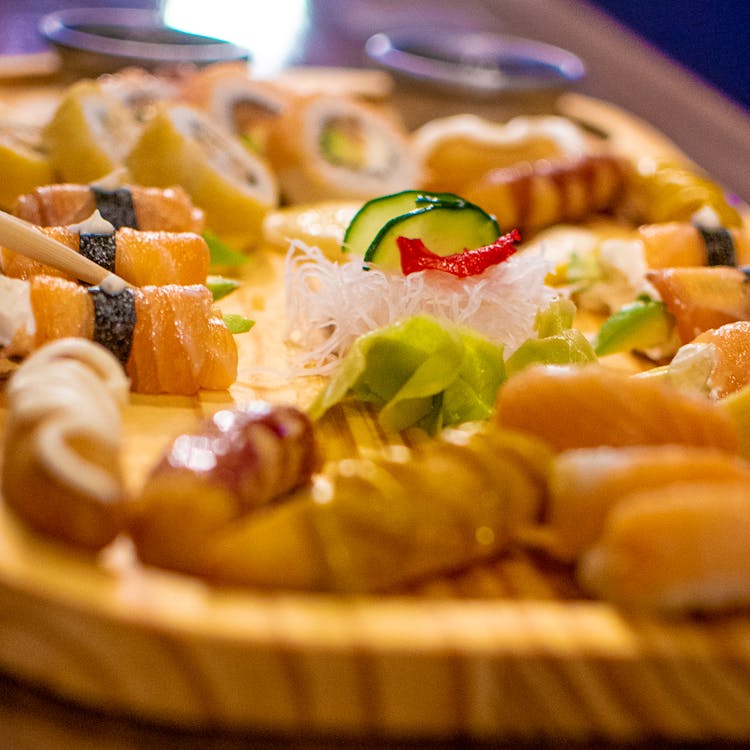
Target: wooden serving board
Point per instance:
(510, 649)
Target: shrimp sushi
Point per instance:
(170, 338)
(166, 209)
(141, 258)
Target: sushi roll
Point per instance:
(170, 338)
(23, 163)
(533, 195)
(141, 258)
(241, 459)
(60, 469)
(461, 149)
(241, 105)
(167, 209)
(182, 145)
(331, 147)
(89, 134)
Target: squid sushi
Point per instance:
(141, 258)
(170, 338)
(328, 147)
(60, 470)
(167, 209)
(238, 461)
(531, 196)
(246, 107)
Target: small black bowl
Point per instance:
(474, 64)
(106, 39)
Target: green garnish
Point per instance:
(237, 323)
(220, 286)
(643, 324)
(221, 253)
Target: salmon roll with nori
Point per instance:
(141, 258)
(328, 147)
(170, 339)
(166, 209)
(248, 108)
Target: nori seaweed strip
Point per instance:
(99, 247)
(114, 320)
(719, 246)
(116, 206)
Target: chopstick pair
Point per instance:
(25, 238)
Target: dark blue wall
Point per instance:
(711, 37)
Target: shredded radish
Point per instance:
(330, 304)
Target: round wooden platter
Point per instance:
(508, 649)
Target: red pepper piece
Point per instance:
(416, 257)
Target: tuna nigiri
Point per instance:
(170, 338)
(149, 208)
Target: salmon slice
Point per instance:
(169, 209)
(141, 257)
(587, 483)
(676, 548)
(61, 308)
(176, 345)
(591, 405)
(730, 352)
(702, 298)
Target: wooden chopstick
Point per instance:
(25, 238)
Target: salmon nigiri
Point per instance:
(149, 208)
(141, 257)
(590, 405)
(701, 298)
(170, 338)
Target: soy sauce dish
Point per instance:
(104, 39)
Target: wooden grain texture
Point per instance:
(509, 649)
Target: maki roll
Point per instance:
(243, 106)
(328, 147)
(170, 338)
(182, 145)
(148, 208)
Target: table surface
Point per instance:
(621, 69)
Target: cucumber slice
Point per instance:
(367, 222)
(445, 229)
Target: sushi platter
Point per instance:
(509, 646)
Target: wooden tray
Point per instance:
(505, 650)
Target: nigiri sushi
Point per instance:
(239, 460)
(170, 338)
(141, 258)
(701, 298)
(531, 196)
(592, 405)
(167, 209)
(60, 469)
(376, 524)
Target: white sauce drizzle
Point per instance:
(71, 388)
(94, 224)
(16, 314)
